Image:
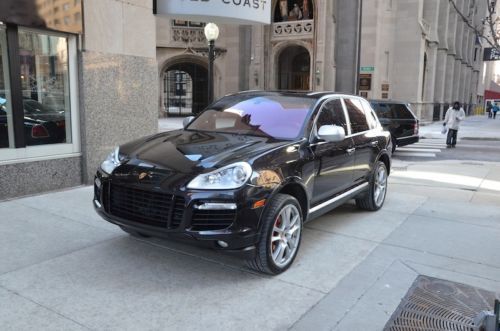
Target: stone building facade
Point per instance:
(417, 51)
(294, 52)
(77, 78)
(422, 52)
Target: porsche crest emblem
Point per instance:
(143, 175)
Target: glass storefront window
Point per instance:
(45, 88)
(6, 126)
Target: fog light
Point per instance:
(222, 244)
(97, 182)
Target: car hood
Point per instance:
(194, 151)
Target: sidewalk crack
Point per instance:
(47, 308)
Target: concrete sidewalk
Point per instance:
(64, 268)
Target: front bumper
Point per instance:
(190, 224)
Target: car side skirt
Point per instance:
(336, 201)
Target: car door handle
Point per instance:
(375, 143)
(350, 150)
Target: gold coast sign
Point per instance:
(223, 11)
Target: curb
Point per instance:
(463, 138)
(481, 138)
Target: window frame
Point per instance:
(313, 137)
(370, 114)
(22, 153)
(349, 118)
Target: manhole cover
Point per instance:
(436, 304)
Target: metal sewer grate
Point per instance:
(436, 304)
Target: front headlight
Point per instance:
(112, 161)
(228, 177)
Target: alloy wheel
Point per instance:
(285, 236)
(380, 182)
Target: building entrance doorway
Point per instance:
(185, 89)
(294, 66)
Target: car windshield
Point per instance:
(278, 117)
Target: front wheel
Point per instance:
(375, 197)
(280, 235)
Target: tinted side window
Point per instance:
(356, 115)
(370, 115)
(383, 110)
(400, 111)
(332, 112)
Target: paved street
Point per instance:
(64, 268)
(478, 139)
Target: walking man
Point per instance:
(454, 115)
(495, 109)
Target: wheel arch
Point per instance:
(384, 157)
(297, 191)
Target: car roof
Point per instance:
(388, 101)
(304, 94)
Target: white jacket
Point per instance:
(453, 118)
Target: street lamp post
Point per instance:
(211, 33)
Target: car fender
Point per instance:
(290, 181)
(385, 157)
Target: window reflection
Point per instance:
(45, 88)
(6, 126)
(272, 117)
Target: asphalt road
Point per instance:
(435, 150)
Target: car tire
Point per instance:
(375, 197)
(394, 143)
(280, 235)
(134, 233)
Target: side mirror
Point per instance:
(186, 121)
(331, 133)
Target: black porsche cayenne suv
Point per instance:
(247, 172)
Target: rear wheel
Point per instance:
(375, 197)
(279, 236)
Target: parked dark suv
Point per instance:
(246, 173)
(399, 120)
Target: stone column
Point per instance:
(119, 78)
(440, 83)
(347, 32)
(450, 62)
(431, 14)
(439, 86)
(429, 82)
(456, 79)
(450, 74)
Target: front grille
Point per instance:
(145, 206)
(97, 193)
(105, 196)
(178, 212)
(205, 220)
